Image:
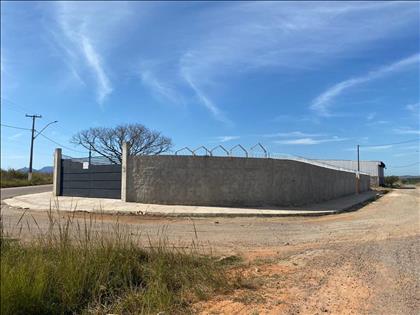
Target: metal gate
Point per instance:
(79, 178)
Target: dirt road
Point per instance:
(363, 262)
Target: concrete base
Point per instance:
(45, 201)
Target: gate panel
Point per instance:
(98, 181)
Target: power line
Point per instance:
(9, 126)
(40, 134)
(385, 144)
(59, 144)
(21, 108)
(401, 166)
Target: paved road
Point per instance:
(17, 191)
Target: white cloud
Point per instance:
(223, 40)
(377, 123)
(226, 138)
(405, 154)
(322, 102)
(161, 88)
(293, 134)
(371, 116)
(371, 149)
(414, 108)
(407, 131)
(95, 62)
(86, 30)
(15, 136)
(217, 113)
(310, 141)
(249, 36)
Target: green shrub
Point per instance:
(390, 181)
(15, 178)
(72, 270)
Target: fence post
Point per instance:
(124, 164)
(57, 172)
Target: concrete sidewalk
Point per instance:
(45, 201)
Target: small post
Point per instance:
(90, 154)
(358, 158)
(124, 164)
(57, 173)
(358, 170)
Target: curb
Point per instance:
(315, 213)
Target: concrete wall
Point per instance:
(233, 181)
(374, 168)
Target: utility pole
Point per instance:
(90, 154)
(32, 144)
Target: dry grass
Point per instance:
(14, 178)
(73, 269)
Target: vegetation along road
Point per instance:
(362, 262)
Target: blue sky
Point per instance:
(310, 79)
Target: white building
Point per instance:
(374, 168)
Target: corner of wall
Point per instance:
(57, 172)
(124, 168)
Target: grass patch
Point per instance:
(73, 270)
(14, 178)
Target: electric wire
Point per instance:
(401, 166)
(40, 134)
(15, 127)
(59, 144)
(385, 144)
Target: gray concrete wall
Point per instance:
(233, 181)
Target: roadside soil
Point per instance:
(362, 262)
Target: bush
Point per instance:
(390, 181)
(74, 271)
(15, 178)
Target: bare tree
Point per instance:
(108, 142)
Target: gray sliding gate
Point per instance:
(83, 179)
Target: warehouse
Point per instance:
(374, 168)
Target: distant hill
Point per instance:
(410, 179)
(409, 176)
(45, 169)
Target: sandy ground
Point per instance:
(363, 262)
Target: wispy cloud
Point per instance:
(404, 154)
(323, 102)
(377, 123)
(310, 141)
(407, 131)
(160, 88)
(83, 27)
(15, 136)
(225, 138)
(371, 116)
(249, 37)
(371, 149)
(293, 134)
(217, 113)
(95, 63)
(414, 108)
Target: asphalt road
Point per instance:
(25, 190)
